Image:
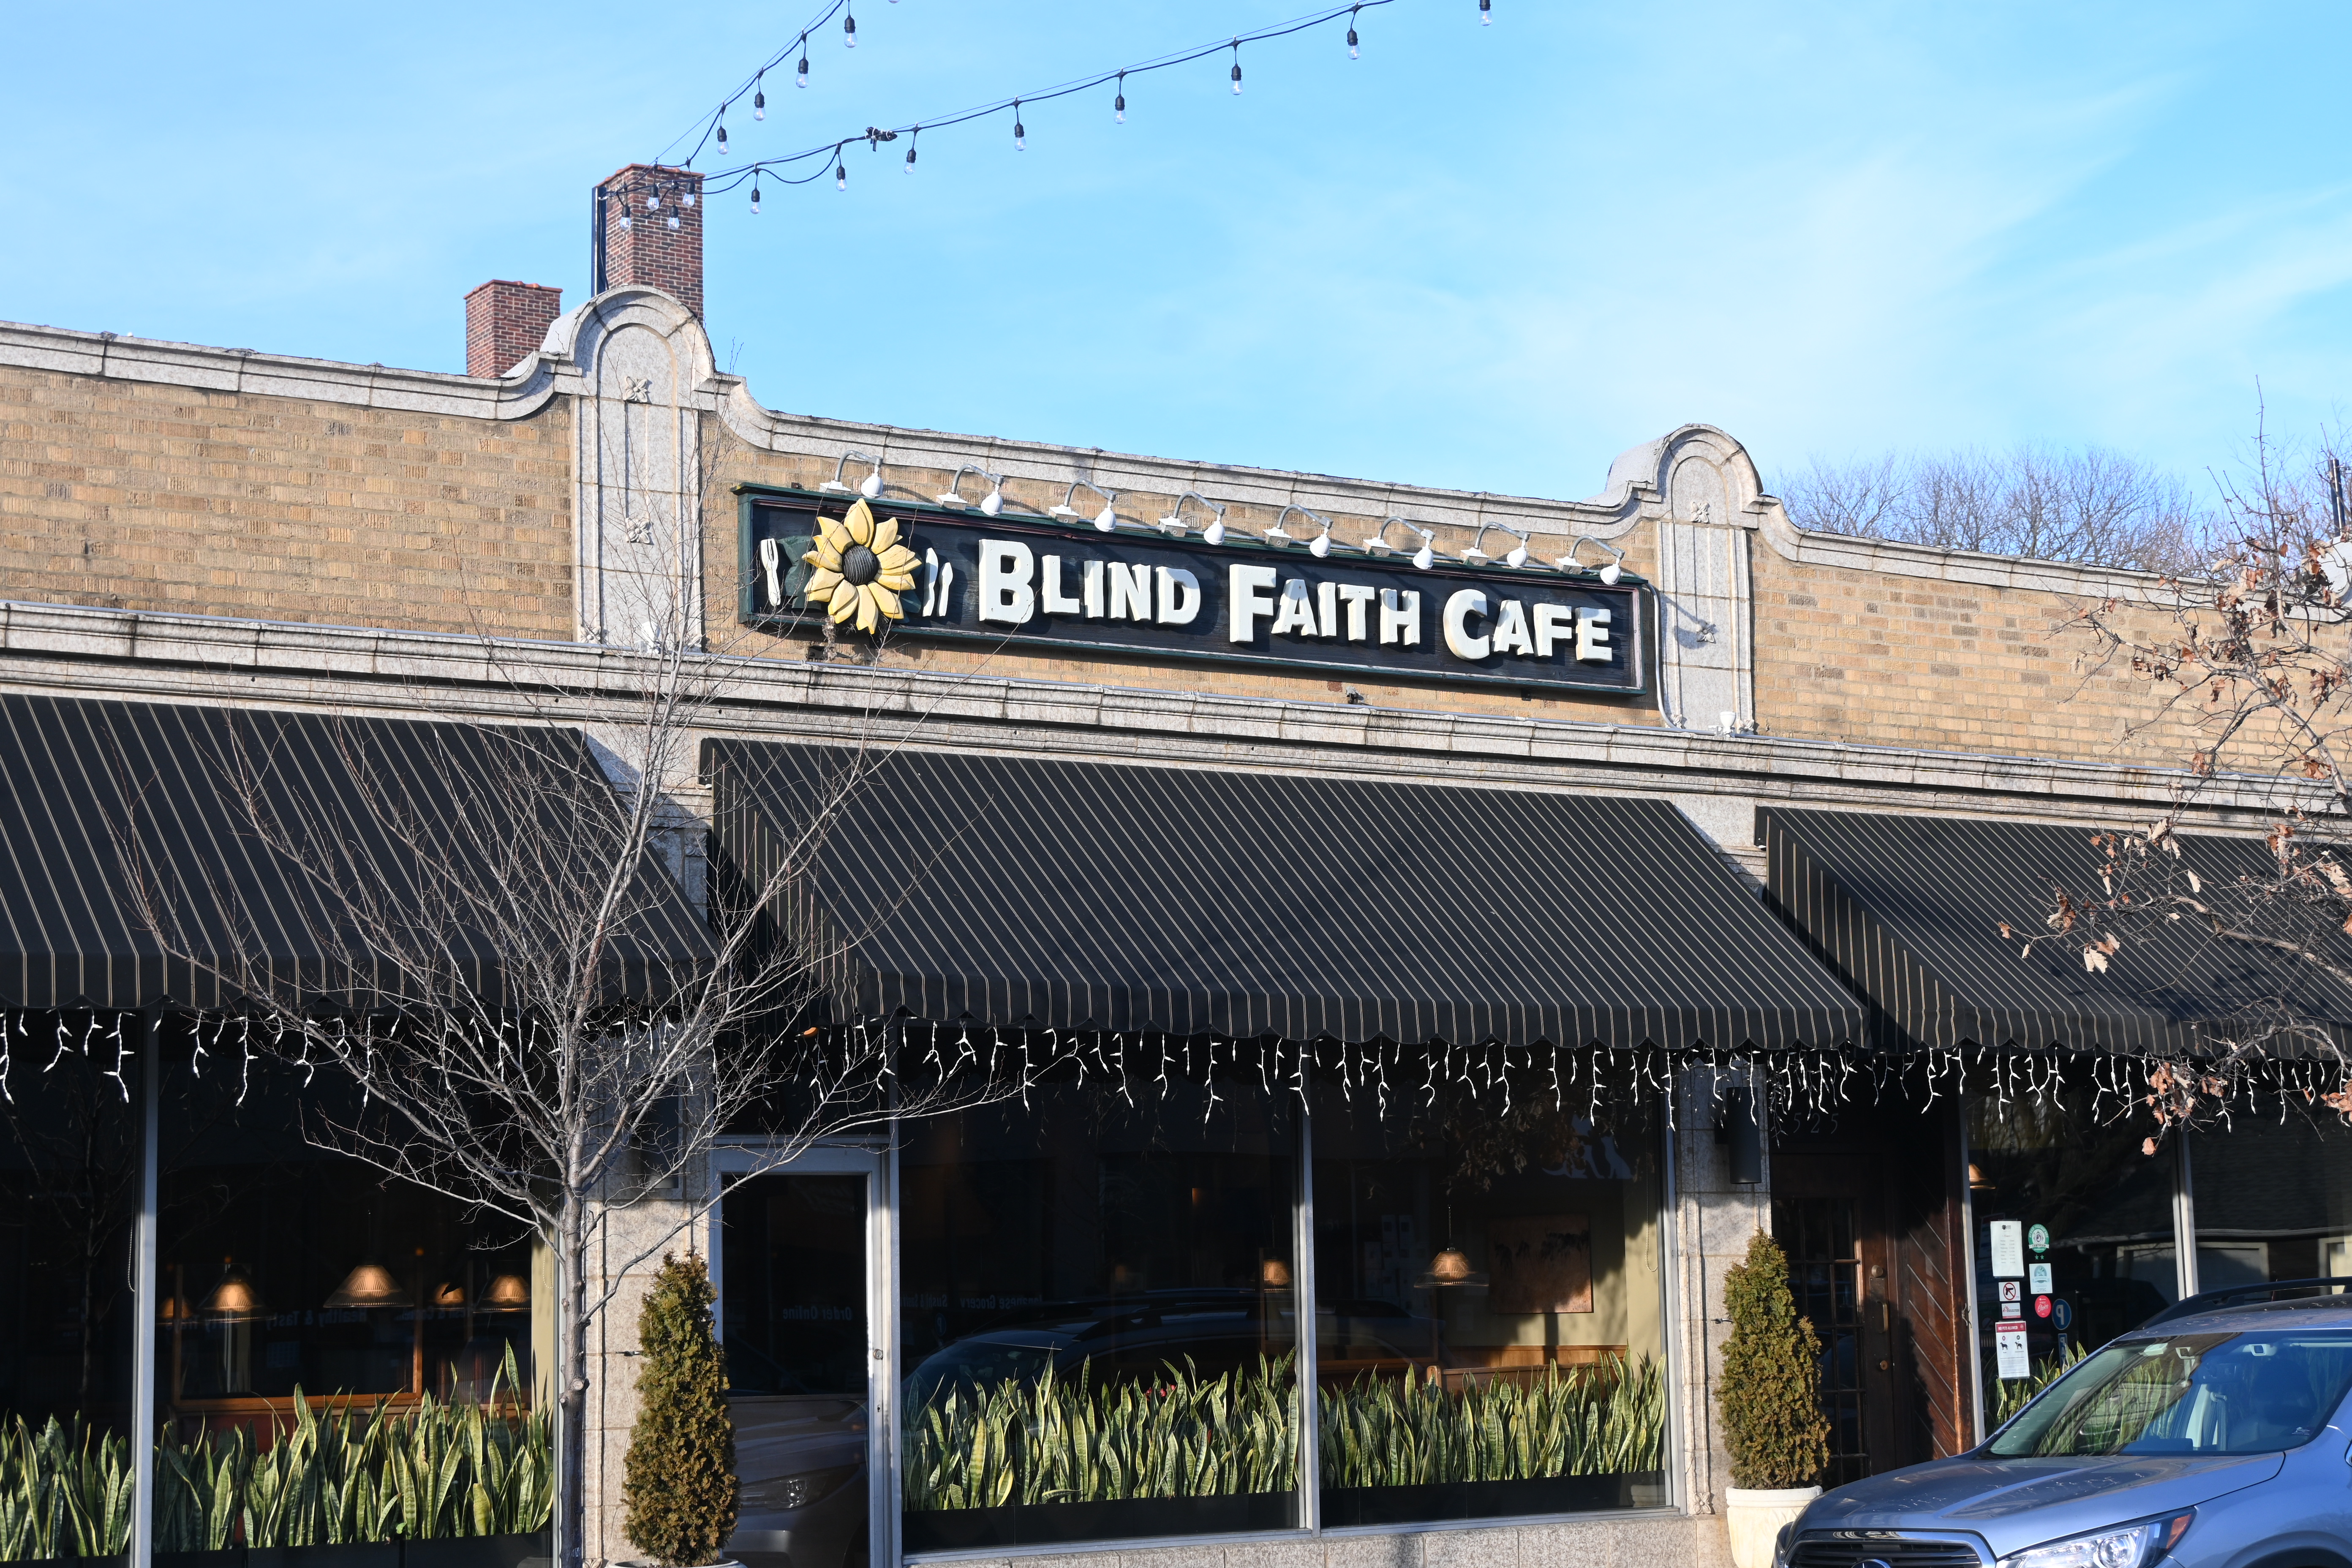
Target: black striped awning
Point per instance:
(136, 860)
(1910, 910)
(1025, 892)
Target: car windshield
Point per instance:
(2252, 1393)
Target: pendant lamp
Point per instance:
(1451, 1268)
(450, 1294)
(369, 1285)
(507, 1293)
(233, 1300)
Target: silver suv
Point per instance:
(2219, 1439)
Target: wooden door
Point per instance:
(1868, 1211)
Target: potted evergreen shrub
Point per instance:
(679, 1480)
(1769, 1397)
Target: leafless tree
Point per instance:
(2249, 655)
(2093, 507)
(489, 945)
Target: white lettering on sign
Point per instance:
(1051, 598)
(1005, 567)
(1248, 596)
(1130, 591)
(1592, 635)
(1017, 585)
(1460, 605)
(1296, 615)
(1401, 618)
(1179, 596)
(1511, 630)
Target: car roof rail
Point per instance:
(2238, 1295)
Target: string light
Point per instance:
(1485, 13)
(826, 155)
(910, 148)
(722, 138)
(840, 173)
(760, 97)
(849, 30)
(755, 201)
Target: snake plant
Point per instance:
(332, 1477)
(1416, 1430)
(1061, 1439)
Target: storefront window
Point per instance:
(2074, 1231)
(1098, 1327)
(1488, 1307)
(2273, 1197)
(300, 1283)
(69, 1197)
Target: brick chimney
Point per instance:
(650, 232)
(505, 321)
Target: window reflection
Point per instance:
(2273, 1197)
(1097, 1317)
(1488, 1309)
(287, 1265)
(2071, 1162)
(68, 1193)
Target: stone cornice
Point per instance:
(244, 371)
(1962, 568)
(150, 657)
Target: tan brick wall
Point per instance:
(1907, 661)
(126, 495)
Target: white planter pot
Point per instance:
(1755, 1517)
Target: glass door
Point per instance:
(801, 1254)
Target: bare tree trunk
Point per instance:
(572, 1354)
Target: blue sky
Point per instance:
(1482, 257)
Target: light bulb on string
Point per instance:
(673, 220)
(1485, 13)
(917, 130)
(848, 31)
(760, 97)
(722, 138)
(1353, 53)
(1020, 131)
(1118, 103)
(800, 76)
(755, 201)
(624, 218)
(1237, 67)
(653, 201)
(687, 200)
(840, 172)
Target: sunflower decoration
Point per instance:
(860, 569)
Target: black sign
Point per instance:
(1030, 582)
